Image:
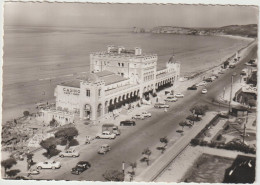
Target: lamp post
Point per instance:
(232, 79)
(123, 167)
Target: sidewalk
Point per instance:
(151, 172)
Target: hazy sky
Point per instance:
(126, 15)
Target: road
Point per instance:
(129, 146)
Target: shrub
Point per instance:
(26, 113)
(154, 95)
(226, 127)
(52, 152)
(203, 143)
(113, 175)
(73, 142)
(219, 137)
(195, 142)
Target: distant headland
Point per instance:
(249, 30)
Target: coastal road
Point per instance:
(129, 146)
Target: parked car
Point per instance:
(208, 80)
(69, 153)
(179, 95)
(171, 99)
(232, 66)
(203, 83)
(80, 167)
(146, 114)
(104, 149)
(204, 91)
(48, 165)
(138, 116)
(243, 72)
(34, 172)
(127, 123)
(161, 105)
(106, 135)
(192, 88)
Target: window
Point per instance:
(88, 92)
(99, 92)
(119, 64)
(123, 64)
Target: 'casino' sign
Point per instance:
(71, 91)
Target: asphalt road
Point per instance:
(129, 146)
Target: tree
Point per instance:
(53, 122)
(165, 141)
(26, 113)
(8, 163)
(114, 175)
(146, 154)
(183, 124)
(193, 118)
(12, 173)
(252, 103)
(132, 173)
(50, 146)
(29, 160)
(67, 134)
(199, 109)
(226, 63)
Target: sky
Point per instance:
(126, 15)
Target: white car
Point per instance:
(138, 116)
(48, 165)
(204, 91)
(179, 95)
(203, 83)
(161, 105)
(171, 99)
(106, 135)
(146, 114)
(69, 153)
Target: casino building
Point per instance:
(117, 76)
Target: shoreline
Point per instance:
(194, 74)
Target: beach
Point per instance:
(37, 59)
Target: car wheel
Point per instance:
(39, 167)
(53, 167)
(98, 137)
(61, 156)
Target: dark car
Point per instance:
(192, 87)
(127, 123)
(208, 80)
(80, 167)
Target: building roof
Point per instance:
(107, 76)
(89, 77)
(111, 79)
(104, 73)
(73, 83)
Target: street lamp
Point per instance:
(232, 79)
(123, 167)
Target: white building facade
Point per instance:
(117, 76)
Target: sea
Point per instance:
(32, 54)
